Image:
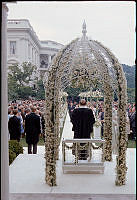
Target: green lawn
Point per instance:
(24, 144)
(131, 143)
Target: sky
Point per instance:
(110, 22)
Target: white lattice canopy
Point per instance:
(87, 64)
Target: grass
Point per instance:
(131, 143)
(24, 144)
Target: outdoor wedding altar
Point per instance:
(86, 63)
(56, 168)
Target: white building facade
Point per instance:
(23, 45)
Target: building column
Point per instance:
(23, 50)
(38, 61)
(49, 59)
(4, 109)
(26, 51)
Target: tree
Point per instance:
(40, 94)
(74, 91)
(130, 72)
(21, 79)
(131, 95)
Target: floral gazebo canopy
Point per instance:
(87, 63)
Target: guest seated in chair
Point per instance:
(82, 120)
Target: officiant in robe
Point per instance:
(82, 120)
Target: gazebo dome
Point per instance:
(89, 59)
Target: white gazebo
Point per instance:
(86, 63)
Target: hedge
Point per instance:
(15, 148)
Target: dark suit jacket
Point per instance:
(32, 128)
(71, 108)
(14, 127)
(132, 120)
(82, 120)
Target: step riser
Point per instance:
(62, 196)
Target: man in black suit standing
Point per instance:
(82, 120)
(32, 129)
(14, 126)
(71, 107)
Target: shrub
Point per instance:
(15, 148)
(12, 156)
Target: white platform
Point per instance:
(28, 171)
(27, 175)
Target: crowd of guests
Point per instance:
(98, 111)
(131, 111)
(26, 118)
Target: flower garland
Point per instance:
(108, 105)
(52, 119)
(121, 167)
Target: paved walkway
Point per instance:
(27, 175)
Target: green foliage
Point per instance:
(131, 81)
(40, 94)
(24, 92)
(16, 147)
(131, 95)
(12, 156)
(22, 74)
(131, 144)
(130, 75)
(24, 144)
(19, 79)
(74, 91)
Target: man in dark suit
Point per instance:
(14, 126)
(82, 120)
(32, 129)
(71, 107)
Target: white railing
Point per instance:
(73, 151)
(13, 21)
